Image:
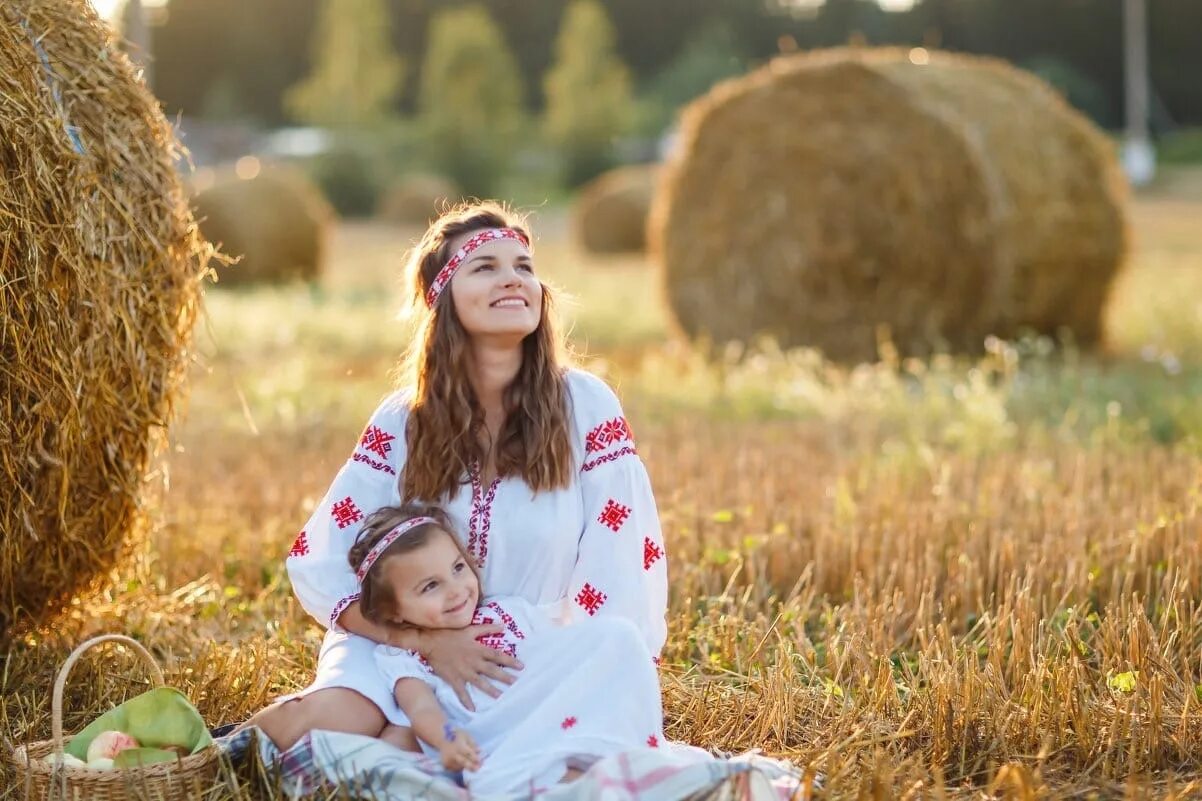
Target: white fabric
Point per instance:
(593, 548)
(588, 691)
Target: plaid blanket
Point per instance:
(369, 768)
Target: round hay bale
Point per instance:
(100, 279)
(416, 199)
(275, 222)
(610, 212)
(831, 196)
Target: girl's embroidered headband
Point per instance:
(448, 272)
(389, 539)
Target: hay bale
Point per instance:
(610, 212)
(416, 199)
(275, 222)
(829, 194)
(100, 277)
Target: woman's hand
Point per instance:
(458, 659)
(459, 752)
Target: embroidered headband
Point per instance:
(448, 272)
(389, 539)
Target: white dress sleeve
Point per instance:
(396, 663)
(317, 565)
(621, 566)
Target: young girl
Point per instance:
(586, 691)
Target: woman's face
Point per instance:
(495, 292)
(433, 585)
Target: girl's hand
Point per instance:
(460, 752)
(460, 661)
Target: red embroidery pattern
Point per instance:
(568, 723)
(345, 512)
(448, 272)
(494, 641)
(507, 619)
(340, 607)
(497, 641)
(481, 517)
(377, 440)
(301, 546)
(590, 598)
(606, 434)
(614, 514)
(653, 741)
(609, 457)
(372, 463)
(651, 553)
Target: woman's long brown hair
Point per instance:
(446, 419)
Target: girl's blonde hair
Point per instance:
(442, 434)
(377, 602)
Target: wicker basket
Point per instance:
(184, 779)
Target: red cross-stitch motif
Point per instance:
(590, 598)
(345, 512)
(606, 434)
(651, 553)
(494, 641)
(507, 619)
(481, 518)
(377, 440)
(653, 741)
(614, 514)
(301, 546)
(568, 723)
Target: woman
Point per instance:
(532, 459)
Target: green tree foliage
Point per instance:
(470, 113)
(238, 56)
(707, 58)
(589, 99)
(355, 75)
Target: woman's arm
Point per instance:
(352, 620)
(416, 699)
(322, 578)
(621, 564)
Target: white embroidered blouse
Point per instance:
(592, 548)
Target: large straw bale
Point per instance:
(610, 212)
(833, 195)
(276, 223)
(100, 278)
(416, 199)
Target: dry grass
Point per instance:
(944, 579)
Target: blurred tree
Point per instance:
(259, 48)
(589, 99)
(709, 56)
(470, 100)
(355, 75)
(1078, 89)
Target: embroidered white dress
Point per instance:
(592, 549)
(588, 691)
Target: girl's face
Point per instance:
(495, 291)
(434, 586)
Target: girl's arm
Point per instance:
(456, 747)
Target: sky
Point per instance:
(108, 8)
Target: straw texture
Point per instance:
(100, 268)
(829, 198)
(417, 199)
(610, 212)
(276, 224)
